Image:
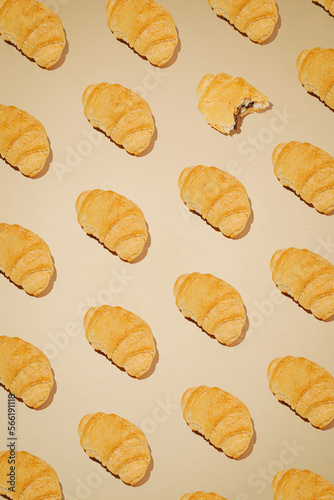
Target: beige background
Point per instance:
(87, 274)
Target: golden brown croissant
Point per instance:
(305, 386)
(23, 140)
(316, 73)
(308, 170)
(307, 277)
(296, 484)
(200, 495)
(31, 478)
(121, 113)
(224, 99)
(117, 443)
(217, 196)
(220, 417)
(256, 18)
(214, 304)
(34, 28)
(123, 336)
(114, 220)
(25, 371)
(146, 26)
(327, 4)
(25, 258)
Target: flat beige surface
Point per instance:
(180, 242)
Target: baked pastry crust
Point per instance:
(123, 336)
(214, 304)
(256, 18)
(223, 100)
(307, 277)
(220, 417)
(308, 170)
(117, 443)
(327, 4)
(201, 495)
(296, 484)
(34, 478)
(23, 140)
(25, 371)
(217, 196)
(305, 386)
(25, 258)
(144, 25)
(34, 28)
(316, 73)
(114, 220)
(121, 113)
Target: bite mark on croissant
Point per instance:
(224, 100)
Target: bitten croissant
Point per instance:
(34, 28)
(33, 478)
(223, 100)
(200, 495)
(308, 170)
(117, 443)
(214, 304)
(123, 336)
(296, 484)
(23, 140)
(121, 113)
(114, 220)
(220, 417)
(217, 196)
(316, 73)
(25, 371)
(255, 18)
(25, 258)
(307, 277)
(327, 4)
(305, 386)
(146, 26)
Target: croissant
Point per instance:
(146, 26)
(220, 417)
(114, 220)
(123, 336)
(327, 4)
(223, 100)
(307, 277)
(217, 196)
(296, 484)
(308, 170)
(25, 258)
(214, 304)
(121, 113)
(25, 371)
(34, 28)
(200, 495)
(256, 18)
(316, 73)
(29, 477)
(305, 386)
(23, 140)
(117, 443)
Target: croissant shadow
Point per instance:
(323, 8)
(324, 429)
(62, 58)
(318, 97)
(51, 282)
(237, 129)
(51, 395)
(329, 320)
(137, 259)
(243, 456)
(41, 173)
(308, 204)
(141, 482)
